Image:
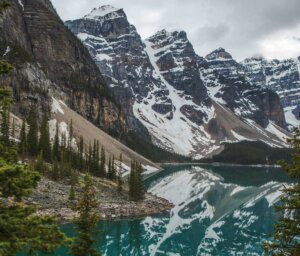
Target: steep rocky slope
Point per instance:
(49, 59)
(176, 94)
(283, 77)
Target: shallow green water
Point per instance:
(218, 211)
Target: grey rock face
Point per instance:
(44, 51)
(229, 84)
(282, 77)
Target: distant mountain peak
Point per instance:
(219, 53)
(162, 34)
(102, 11)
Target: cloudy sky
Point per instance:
(243, 27)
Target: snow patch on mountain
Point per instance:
(102, 11)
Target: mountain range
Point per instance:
(190, 104)
(157, 95)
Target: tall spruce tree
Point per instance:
(286, 238)
(32, 138)
(80, 154)
(136, 184)
(21, 229)
(5, 119)
(44, 142)
(119, 174)
(102, 163)
(110, 174)
(86, 223)
(56, 150)
(22, 148)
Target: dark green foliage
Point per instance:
(5, 101)
(102, 163)
(80, 154)
(22, 147)
(32, 138)
(86, 223)
(287, 231)
(44, 142)
(136, 184)
(21, 229)
(251, 152)
(119, 174)
(56, 149)
(5, 67)
(39, 164)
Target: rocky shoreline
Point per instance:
(51, 198)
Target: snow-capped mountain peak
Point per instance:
(219, 54)
(102, 11)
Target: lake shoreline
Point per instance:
(149, 207)
(222, 164)
(52, 198)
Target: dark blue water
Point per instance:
(218, 211)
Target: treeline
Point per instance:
(251, 152)
(59, 159)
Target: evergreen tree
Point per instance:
(287, 231)
(23, 141)
(119, 175)
(55, 174)
(113, 168)
(86, 223)
(136, 184)
(32, 138)
(55, 150)
(44, 143)
(72, 193)
(13, 129)
(80, 153)
(102, 163)
(110, 174)
(90, 156)
(5, 120)
(21, 229)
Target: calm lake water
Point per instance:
(218, 211)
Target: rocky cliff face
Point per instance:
(283, 77)
(229, 85)
(50, 60)
(184, 101)
(120, 54)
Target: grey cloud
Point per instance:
(237, 25)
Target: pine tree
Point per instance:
(140, 192)
(13, 129)
(287, 231)
(5, 120)
(55, 174)
(44, 143)
(21, 229)
(113, 168)
(24, 231)
(86, 223)
(55, 150)
(110, 174)
(80, 152)
(136, 184)
(102, 163)
(90, 157)
(119, 175)
(23, 141)
(32, 138)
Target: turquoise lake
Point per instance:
(219, 210)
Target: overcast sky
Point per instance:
(243, 27)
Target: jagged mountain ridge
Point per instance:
(283, 77)
(169, 88)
